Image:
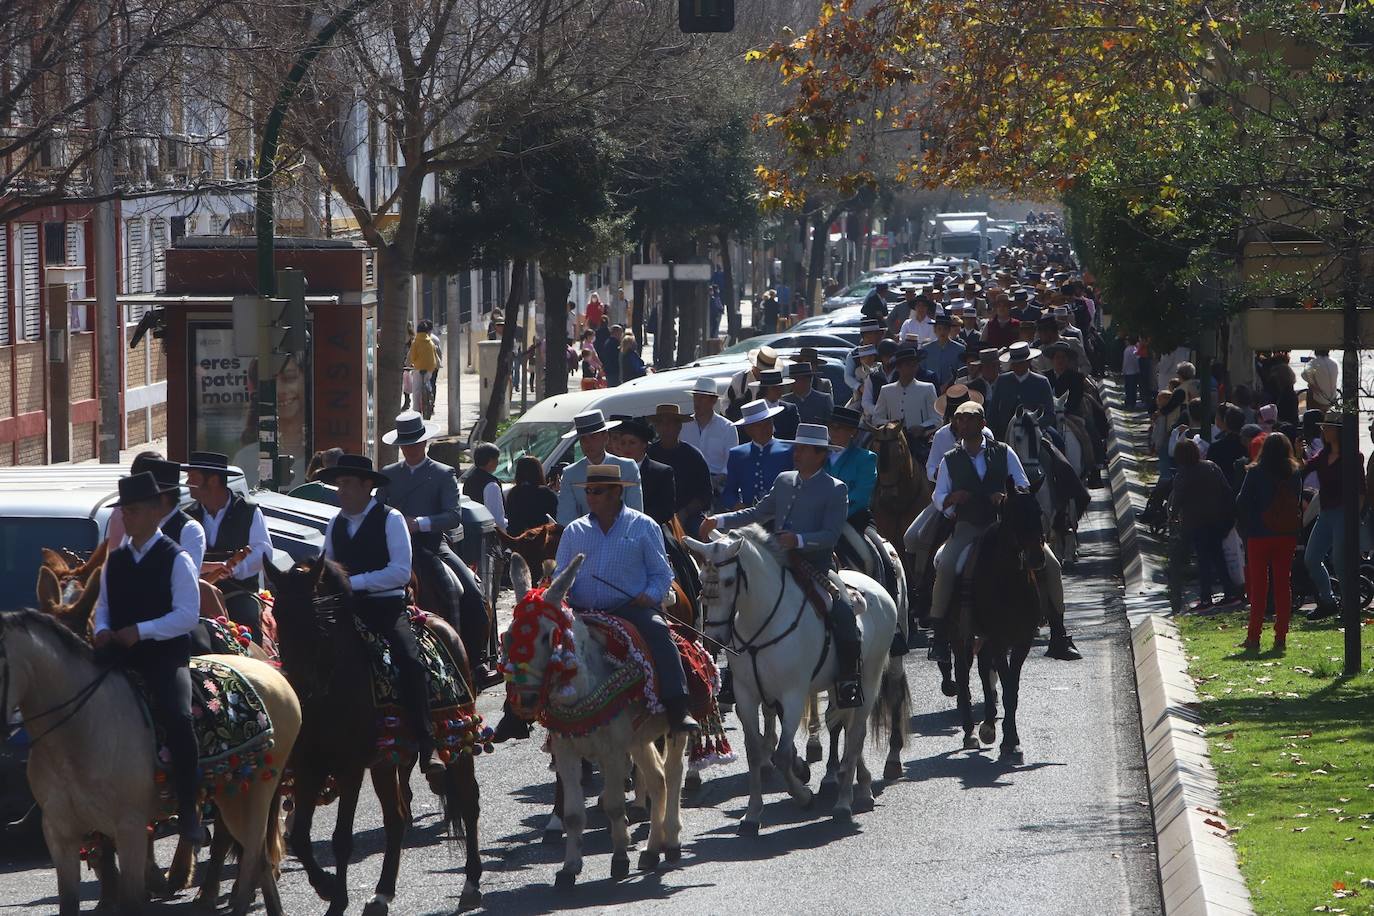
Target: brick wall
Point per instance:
(33, 450)
(160, 421)
(159, 360)
(137, 366)
(6, 454)
(82, 366)
(136, 426)
(83, 441)
(6, 394)
(29, 390)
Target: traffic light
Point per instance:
(291, 286)
(706, 15)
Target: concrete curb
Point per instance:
(1198, 872)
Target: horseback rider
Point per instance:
(231, 523)
(970, 486)
(148, 604)
(771, 384)
(910, 402)
(737, 392)
(807, 509)
(625, 573)
(425, 492)
(708, 431)
(691, 475)
(657, 482)
(371, 541)
(870, 332)
(813, 405)
(593, 433)
(1020, 387)
(751, 468)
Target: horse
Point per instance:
(1064, 499)
(537, 546)
(1078, 445)
(92, 768)
(902, 490)
(323, 655)
(551, 654)
(784, 655)
(999, 620)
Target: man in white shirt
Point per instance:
(1320, 374)
(231, 523)
(906, 400)
(709, 432)
(920, 326)
(372, 542)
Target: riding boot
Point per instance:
(679, 720)
(849, 687)
(1061, 647)
(510, 726)
(726, 697)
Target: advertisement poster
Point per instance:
(221, 397)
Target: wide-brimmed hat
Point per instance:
(590, 422)
(1019, 352)
(352, 466)
(635, 427)
(212, 462)
(758, 411)
(707, 386)
(808, 354)
(141, 488)
(956, 393)
(846, 416)
(870, 326)
(988, 355)
(763, 358)
(602, 474)
(813, 434)
(904, 354)
(865, 350)
(168, 473)
(665, 412)
(772, 378)
(411, 429)
(1059, 346)
(801, 370)
(945, 320)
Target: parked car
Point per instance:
(792, 338)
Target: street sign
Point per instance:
(691, 271)
(649, 272)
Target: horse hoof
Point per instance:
(564, 880)
(813, 752)
(987, 732)
(553, 836)
(672, 853)
(692, 781)
(1012, 755)
(892, 769)
(648, 861)
(620, 867)
(470, 900)
(377, 906)
(807, 801)
(748, 828)
(802, 771)
(971, 743)
(949, 688)
(829, 781)
(842, 815)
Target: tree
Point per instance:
(546, 197)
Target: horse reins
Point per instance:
(80, 698)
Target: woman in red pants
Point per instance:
(1268, 514)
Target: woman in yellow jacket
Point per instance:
(424, 363)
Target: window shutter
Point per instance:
(159, 240)
(5, 339)
(133, 261)
(31, 324)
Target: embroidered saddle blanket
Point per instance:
(226, 637)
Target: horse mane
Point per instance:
(30, 620)
(335, 578)
(765, 542)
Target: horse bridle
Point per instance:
(748, 645)
(1033, 459)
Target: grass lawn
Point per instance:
(1293, 746)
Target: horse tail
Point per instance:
(891, 712)
(274, 845)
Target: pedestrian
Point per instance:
(1203, 506)
(769, 313)
(1227, 451)
(595, 310)
(1130, 372)
(631, 365)
(424, 361)
(1321, 374)
(608, 349)
(481, 485)
(875, 303)
(1328, 533)
(593, 374)
(1243, 398)
(530, 503)
(571, 328)
(1269, 515)
(717, 308)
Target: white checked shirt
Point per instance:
(714, 442)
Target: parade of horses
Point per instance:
(782, 610)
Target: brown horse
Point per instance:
(902, 490)
(536, 546)
(323, 653)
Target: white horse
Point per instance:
(1078, 446)
(783, 656)
(629, 735)
(91, 765)
(1056, 509)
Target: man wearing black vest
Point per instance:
(970, 486)
(372, 544)
(425, 492)
(231, 523)
(149, 602)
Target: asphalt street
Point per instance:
(1067, 833)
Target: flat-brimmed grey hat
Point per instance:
(758, 411)
(411, 429)
(813, 434)
(589, 423)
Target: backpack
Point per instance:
(1284, 514)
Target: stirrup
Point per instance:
(849, 692)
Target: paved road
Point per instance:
(1067, 833)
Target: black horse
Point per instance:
(998, 618)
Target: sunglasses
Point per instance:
(597, 491)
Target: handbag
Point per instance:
(407, 382)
